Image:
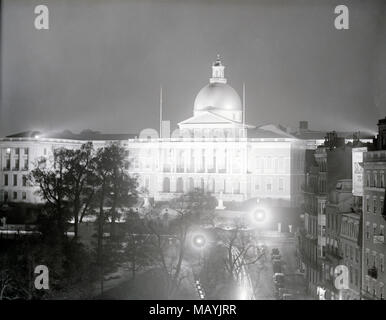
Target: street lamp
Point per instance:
(259, 215)
(199, 241)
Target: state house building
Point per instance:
(217, 151)
(214, 150)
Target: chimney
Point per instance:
(332, 140)
(303, 125)
(381, 134)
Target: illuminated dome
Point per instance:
(217, 95)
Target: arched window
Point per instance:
(191, 184)
(180, 185)
(212, 186)
(166, 185)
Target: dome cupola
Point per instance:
(219, 97)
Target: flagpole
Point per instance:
(244, 109)
(160, 112)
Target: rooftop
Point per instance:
(87, 135)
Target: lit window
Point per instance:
(281, 184)
(269, 185)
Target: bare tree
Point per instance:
(242, 250)
(170, 250)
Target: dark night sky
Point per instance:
(101, 63)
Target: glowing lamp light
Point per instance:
(259, 215)
(199, 241)
(242, 293)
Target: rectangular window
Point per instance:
(382, 263)
(269, 185)
(17, 164)
(375, 181)
(24, 195)
(15, 180)
(8, 164)
(24, 181)
(25, 166)
(281, 164)
(374, 205)
(14, 195)
(281, 184)
(17, 151)
(26, 152)
(6, 180)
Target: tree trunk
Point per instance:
(100, 238)
(76, 221)
(133, 265)
(114, 208)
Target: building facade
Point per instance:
(19, 154)
(374, 246)
(326, 165)
(217, 151)
(351, 251)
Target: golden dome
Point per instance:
(217, 96)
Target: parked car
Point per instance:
(275, 251)
(276, 265)
(278, 278)
(288, 296)
(275, 256)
